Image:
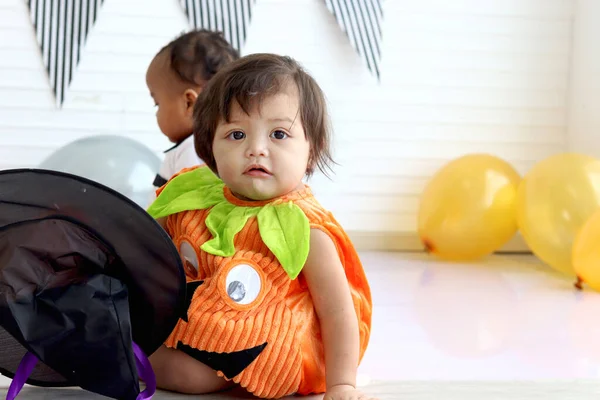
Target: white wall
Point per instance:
(457, 76)
(584, 115)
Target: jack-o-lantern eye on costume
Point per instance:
(248, 316)
(241, 285)
(189, 258)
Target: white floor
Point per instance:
(508, 318)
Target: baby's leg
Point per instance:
(178, 372)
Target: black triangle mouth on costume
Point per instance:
(231, 364)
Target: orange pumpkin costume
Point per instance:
(251, 316)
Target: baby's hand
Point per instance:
(346, 392)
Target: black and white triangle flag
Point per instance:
(361, 20)
(61, 28)
(231, 17)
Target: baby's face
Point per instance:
(172, 106)
(263, 155)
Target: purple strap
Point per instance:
(25, 368)
(29, 361)
(145, 372)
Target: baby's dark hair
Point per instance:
(196, 56)
(248, 81)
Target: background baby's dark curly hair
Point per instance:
(196, 56)
(248, 81)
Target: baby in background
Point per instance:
(175, 78)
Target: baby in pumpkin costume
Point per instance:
(278, 299)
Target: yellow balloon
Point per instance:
(586, 252)
(467, 209)
(556, 197)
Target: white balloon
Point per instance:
(123, 164)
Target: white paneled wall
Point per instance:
(584, 115)
(108, 94)
(458, 76)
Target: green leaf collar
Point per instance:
(283, 227)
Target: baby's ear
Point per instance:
(190, 98)
(310, 166)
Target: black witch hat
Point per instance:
(90, 285)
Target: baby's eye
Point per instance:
(279, 135)
(236, 135)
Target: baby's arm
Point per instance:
(331, 296)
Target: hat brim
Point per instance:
(152, 269)
(13, 352)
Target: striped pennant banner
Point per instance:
(361, 20)
(61, 28)
(231, 17)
